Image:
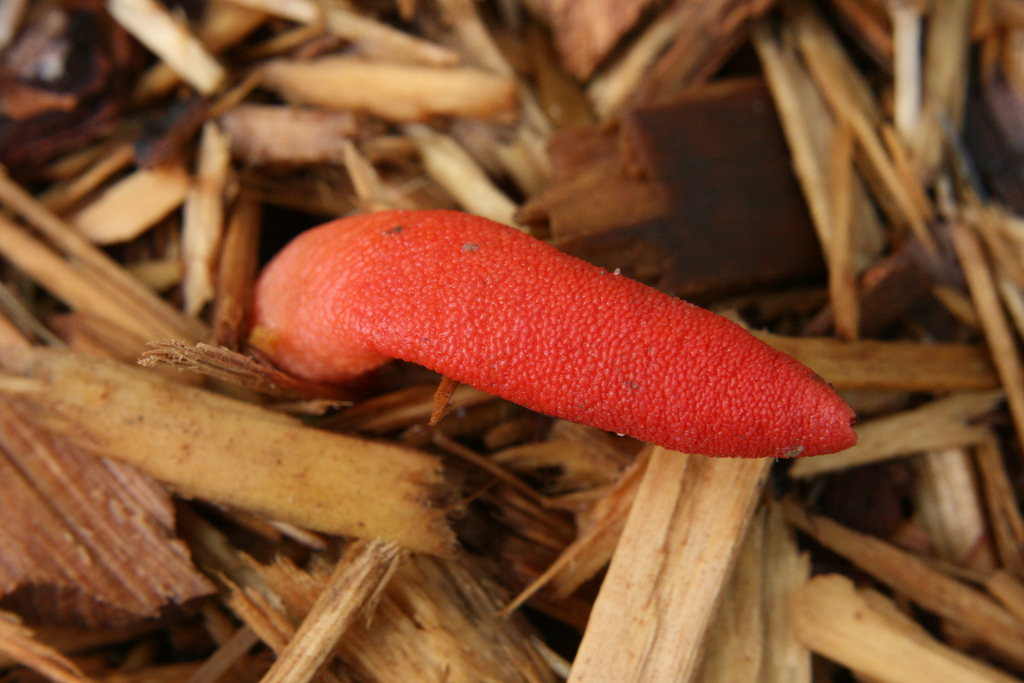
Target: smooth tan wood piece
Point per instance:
(222, 26)
(137, 202)
(944, 423)
(397, 92)
(733, 651)
(866, 632)
(978, 615)
(950, 508)
(152, 24)
(842, 274)
(891, 365)
(675, 554)
(454, 169)
(786, 569)
(203, 217)
(66, 282)
(291, 136)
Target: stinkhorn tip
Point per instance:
(489, 306)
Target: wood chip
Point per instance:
(10, 335)
(301, 11)
(474, 38)
(84, 541)
(235, 368)
(842, 274)
(354, 586)
(65, 282)
(594, 188)
(398, 410)
(11, 15)
(1005, 519)
(945, 81)
(458, 607)
(586, 32)
(378, 40)
(457, 172)
(1008, 590)
(160, 317)
(976, 613)
(203, 217)
(734, 649)
(993, 320)
(896, 365)
(684, 45)
(62, 198)
(848, 95)
(944, 423)
(136, 203)
(811, 131)
(397, 92)
(436, 619)
(907, 29)
(610, 90)
(222, 26)
(561, 97)
(236, 273)
(594, 545)
(228, 655)
(786, 569)
(950, 508)
(866, 632)
(273, 134)
(152, 24)
(709, 35)
(751, 226)
(366, 489)
(17, 642)
(689, 512)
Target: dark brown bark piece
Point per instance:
(694, 195)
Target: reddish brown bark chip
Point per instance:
(84, 540)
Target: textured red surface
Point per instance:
(491, 307)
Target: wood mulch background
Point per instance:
(845, 177)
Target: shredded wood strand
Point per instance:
(356, 582)
(18, 642)
(166, 321)
(997, 330)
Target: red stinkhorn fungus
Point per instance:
(492, 307)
